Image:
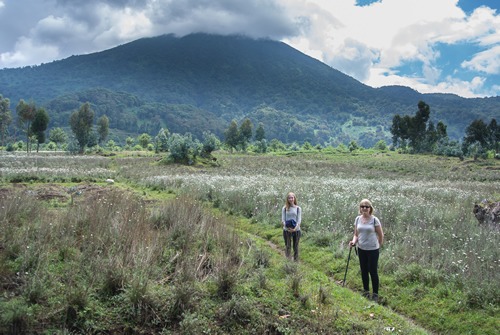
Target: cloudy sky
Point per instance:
(448, 46)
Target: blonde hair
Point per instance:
(366, 202)
(287, 204)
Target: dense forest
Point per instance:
(202, 82)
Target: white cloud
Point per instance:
(368, 43)
(487, 61)
(118, 26)
(468, 89)
(27, 52)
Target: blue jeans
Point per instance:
(368, 262)
(292, 238)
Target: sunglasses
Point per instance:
(364, 207)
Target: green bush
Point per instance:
(15, 316)
(237, 312)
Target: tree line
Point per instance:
(417, 134)
(412, 134)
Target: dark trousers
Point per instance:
(292, 238)
(368, 262)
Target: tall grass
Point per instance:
(147, 262)
(426, 214)
(107, 248)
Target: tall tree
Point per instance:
(419, 127)
(494, 135)
(26, 113)
(39, 126)
(477, 131)
(5, 118)
(400, 130)
(58, 136)
(260, 134)
(81, 122)
(441, 130)
(102, 128)
(246, 129)
(232, 135)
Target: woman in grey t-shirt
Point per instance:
(291, 217)
(369, 236)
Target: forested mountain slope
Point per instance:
(202, 82)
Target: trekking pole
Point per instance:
(347, 266)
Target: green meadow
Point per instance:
(174, 249)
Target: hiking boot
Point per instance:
(366, 294)
(375, 297)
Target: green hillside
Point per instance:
(202, 82)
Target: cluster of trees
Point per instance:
(414, 134)
(239, 138)
(417, 134)
(33, 120)
(480, 138)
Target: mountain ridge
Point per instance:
(220, 78)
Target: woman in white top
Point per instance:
(369, 236)
(291, 217)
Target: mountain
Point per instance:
(202, 82)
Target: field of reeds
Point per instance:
(177, 249)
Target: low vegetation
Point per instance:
(173, 249)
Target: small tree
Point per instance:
(353, 146)
(210, 143)
(261, 146)
(307, 146)
(26, 113)
(58, 136)
(111, 145)
(161, 140)
(81, 124)
(380, 145)
(183, 149)
(143, 140)
(39, 126)
(129, 142)
(277, 145)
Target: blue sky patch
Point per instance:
(362, 3)
(468, 6)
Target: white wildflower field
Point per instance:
(425, 205)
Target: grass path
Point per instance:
(319, 274)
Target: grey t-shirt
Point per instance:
(294, 213)
(367, 236)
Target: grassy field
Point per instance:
(190, 250)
